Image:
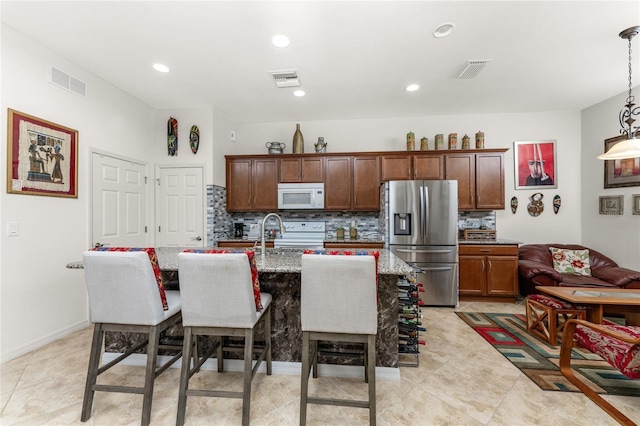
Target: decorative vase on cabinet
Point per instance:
(298, 141)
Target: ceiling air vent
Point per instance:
(473, 68)
(285, 78)
(62, 79)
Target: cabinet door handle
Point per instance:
(483, 266)
(489, 266)
(485, 250)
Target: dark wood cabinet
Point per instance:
(252, 184)
(242, 244)
(298, 169)
(488, 272)
(353, 244)
(480, 179)
(411, 166)
(352, 183)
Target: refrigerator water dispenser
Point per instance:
(402, 223)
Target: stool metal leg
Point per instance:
(150, 375)
(92, 372)
(371, 375)
(187, 347)
(304, 388)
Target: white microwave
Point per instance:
(296, 196)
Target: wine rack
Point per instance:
(409, 321)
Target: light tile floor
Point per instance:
(461, 380)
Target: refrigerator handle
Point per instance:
(425, 215)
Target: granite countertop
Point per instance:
(354, 241)
(280, 260)
(497, 241)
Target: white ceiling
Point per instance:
(354, 59)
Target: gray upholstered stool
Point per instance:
(338, 303)
(124, 297)
(218, 300)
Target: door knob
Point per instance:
(196, 238)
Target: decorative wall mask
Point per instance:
(536, 206)
(172, 136)
(514, 204)
(194, 138)
(557, 201)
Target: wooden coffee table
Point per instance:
(622, 301)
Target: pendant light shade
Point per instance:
(630, 147)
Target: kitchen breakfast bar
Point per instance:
(280, 275)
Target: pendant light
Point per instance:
(630, 147)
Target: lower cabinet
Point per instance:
(488, 272)
(243, 244)
(351, 245)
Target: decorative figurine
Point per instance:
(194, 138)
(557, 201)
(514, 204)
(439, 141)
(411, 141)
(424, 144)
(172, 136)
(536, 206)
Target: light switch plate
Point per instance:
(13, 229)
(233, 136)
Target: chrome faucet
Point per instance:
(263, 246)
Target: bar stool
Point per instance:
(124, 297)
(338, 303)
(218, 300)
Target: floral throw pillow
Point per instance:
(252, 264)
(574, 262)
(155, 265)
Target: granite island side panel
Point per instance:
(279, 273)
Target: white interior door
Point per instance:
(118, 202)
(180, 207)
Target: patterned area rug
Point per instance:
(538, 360)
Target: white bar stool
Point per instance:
(124, 297)
(338, 303)
(218, 300)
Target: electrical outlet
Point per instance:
(233, 136)
(13, 229)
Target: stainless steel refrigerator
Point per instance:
(422, 230)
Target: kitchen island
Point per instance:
(280, 275)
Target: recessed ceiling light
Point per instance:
(444, 30)
(160, 67)
(280, 40)
(412, 88)
(299, 93)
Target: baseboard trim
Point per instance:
(38, 343)
(278, 367)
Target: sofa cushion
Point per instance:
(573, 262)
(623, 356)
(252, 264)
(155, 265)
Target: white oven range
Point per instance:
(302, 235)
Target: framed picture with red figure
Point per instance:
(535, 164)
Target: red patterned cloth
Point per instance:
(375, 254)
(623, 356)
(155, 265)
(554, 303)
(252, 264)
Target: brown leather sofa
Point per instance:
(535, 267)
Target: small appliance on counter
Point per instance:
(254, 231)
(238, 229)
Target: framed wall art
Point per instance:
(535, 164)
(620, 173)
(635, 204)
(611, 204)
(42, 157)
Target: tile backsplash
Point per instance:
(371, 225)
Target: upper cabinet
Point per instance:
(252, 184)
(352, 183)
(301, 169)
(480, 179)
(352, 180)
(411, 166)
